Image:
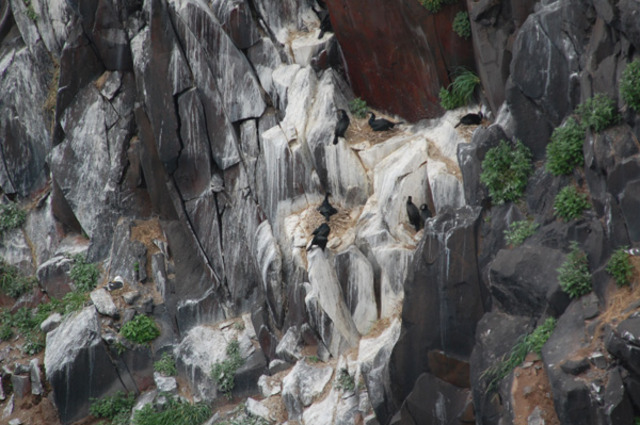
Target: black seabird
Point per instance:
(320, 236)
(414, 214)
(380, 124)
(326, 209)
(470, 119)
(341, 125)
(425, 212)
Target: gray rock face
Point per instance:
(443, 298)
(103, 302)
(78, 366)
(53, 276)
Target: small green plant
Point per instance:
(569, 203)
(525, 345)
(141, 329)
(12, 282)
(73, 301)
(175, 412)
(116, 408)
(239, 325)
(136, 267)
(166, 365)
(460, 90)
(619, 266)
(345, 381)
(223, 373)
(630, 85)
(573, 275)
(636, 420)
(11, 216)
(462, 25)
(564, 153)
(505, 171)
(84, 275)
(358, 107)
(31, 13)
(598, 112)
(313, 359)
(434, 6)
(519, 231)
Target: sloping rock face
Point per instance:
(376, 38)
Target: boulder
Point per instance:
(103, 302)
(524, 280)
(268, 257)
(35, 376)
(289, 347)
(237, 20)
(302, 385)
(78, 365)
(623, 342)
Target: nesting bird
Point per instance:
(380, 124)
(341, 125)
(425, 212)
(470, 119)
(414, 214)
(326, 209)
(320, 236)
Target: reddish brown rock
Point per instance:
(397, 54)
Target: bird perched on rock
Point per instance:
(341, 125)
(320, 236)
(470, 119)
(326, 209)
(380, 124)
(414, 214)
(425, 212)
(116, 283)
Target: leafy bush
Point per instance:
(525, 345)
(461, 25)
(11, 216)
(619, 266)
(345, 381)
(434, 6)
(569, 204)
(460, 90)
(598, 112)
(84, 275)
(140, 329)
(175, 412)
(116, 408)
(166, 365)
(564, 153)
(12, 282)
(505, 171)
(573, 274)
(223, 373)
(630, 85)
(519, 231)
(358, 107)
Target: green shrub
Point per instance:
(116, 408)
(31, 13)
(569, 204)
(84, 275)
(505, 171)
(245, 419)
(434, 6)
(526, 344)
(223, 373)
(573, 274)
(564, 153)
(345, 381)
(598, 112)
(358, 107)
(462, 25)
(630, 85)
(12, 282)
(166, 365)
(175, 412)
(460, 90)
(619, 266)
(519, 231)
(11, 216)
(141, 329)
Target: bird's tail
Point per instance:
(321, 34)
(335, 140)
(456, 126)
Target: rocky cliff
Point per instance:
(183, 147)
